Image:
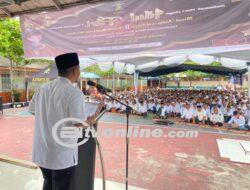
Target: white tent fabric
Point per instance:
(105, 66)
(233, 63)
(174, 61)
(202, 59)
(84, 65)
(150, 62)
(130, 68)
(148, 65)
(119, 67)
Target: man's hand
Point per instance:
(91, 119)
(80, 125)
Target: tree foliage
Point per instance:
(11, 45)
(98, 71)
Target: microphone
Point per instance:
(99, 87)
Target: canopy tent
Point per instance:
(148, 63)
(163, 70)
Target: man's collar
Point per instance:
(64, 79)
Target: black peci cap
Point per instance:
(66, 61)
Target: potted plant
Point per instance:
(16, 95)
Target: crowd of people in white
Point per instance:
(208, 107)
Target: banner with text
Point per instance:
(132, 26)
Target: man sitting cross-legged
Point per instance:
(237, 121)
(188, 113)
(228, 113)
(200, 115)
(216, 118)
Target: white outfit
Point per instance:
(177, 108)
(217, 118)
(200, 114)
(187, 114)
(238, 121)
(142, 108)
(51, 103)
(168, 109)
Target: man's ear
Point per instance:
(75, 71)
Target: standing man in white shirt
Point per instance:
(52, 102)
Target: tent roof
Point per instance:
(89, 75)
(243, 54)
(17, 7)
(4, 62)
(163, 70)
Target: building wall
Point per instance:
(18, 83)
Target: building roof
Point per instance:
(4, 62)
(12, 8)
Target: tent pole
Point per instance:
(248, 85)
(107, 81)
(241, 82)
(113, 83)
(234, 83)
(136, 76)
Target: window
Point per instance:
(6, 82)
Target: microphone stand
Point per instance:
(128, 112)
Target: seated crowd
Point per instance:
(208, 107)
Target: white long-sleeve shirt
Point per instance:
(217, 118)
(177, 108)
(168, 109)
(142, 108)
(187, 113)
(238, 121)
(200, 114)
(229, 112)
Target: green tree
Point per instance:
(11, 45)
(95, 69)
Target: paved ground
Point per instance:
(155, 163)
